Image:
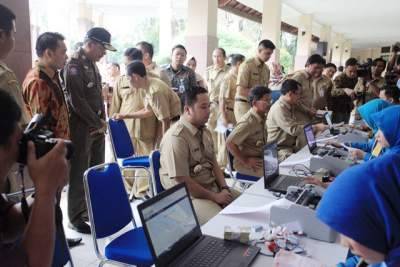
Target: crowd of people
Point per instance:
(180, 112)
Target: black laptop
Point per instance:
(175, 239)
(321, 151)
(273, 181)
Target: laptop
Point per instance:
(175, 239)
(321, 151)
(273, 181)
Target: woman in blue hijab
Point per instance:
(388, 123)
(363, 205)
(363, 150)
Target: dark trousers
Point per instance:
(89, 151)
(338, 117)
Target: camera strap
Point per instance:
(24, 203)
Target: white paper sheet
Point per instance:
(264, 209)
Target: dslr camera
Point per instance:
(37, 131)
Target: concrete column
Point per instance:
(201, 32)
(325, 36)
(304, 36)
(337, 49)
(85, 19)
(165, 35)
(346, 51)
(271, 24)
(20, 60)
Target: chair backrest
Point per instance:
(275, 95)
(108, 204)
(228, 153)
(120, 139)
(155, 171)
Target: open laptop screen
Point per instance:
(271, 164)
(168, 220)
(310, 137)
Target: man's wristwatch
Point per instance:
(225, 187)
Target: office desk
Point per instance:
(328, 253)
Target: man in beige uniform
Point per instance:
(282, 124)
(151, 67)
(315, 89)
(228, 91)
(9, 82)
(187, 155)
(252, 72)
(214, 76)
(248, 138)
(160, 100)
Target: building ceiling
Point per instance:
(367, 23)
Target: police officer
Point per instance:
(252, 72)
(187, 155)
(87, 121)
(248, 138)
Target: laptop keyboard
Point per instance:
(213, 252)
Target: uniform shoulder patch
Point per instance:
(178, 129)
(73, 69)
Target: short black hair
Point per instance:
(290, 85)
(340, 68)
(258, 92)
(392, 91)
(236, 58)
(133, 53)
(222, 51)
(136, 67)
(178, 46)
(315, 59)
(147, 47)
(48, 40)
(379, 59)
(351, 62)
(115, 64)
(6, 19)
(266, 44)
(330, 65)
(10, 114)
(190, 95)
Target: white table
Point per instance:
(328, 253)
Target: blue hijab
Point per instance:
(363, 203)
(370, 108)
(388, 121)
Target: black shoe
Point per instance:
(80, 226)
(73, 242)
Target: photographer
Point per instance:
(394, 60)
(369, 82)
(31, 243)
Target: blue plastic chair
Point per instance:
(110, 211)
(275, 94)
(155, 171)
(247, 180)
(124, 151)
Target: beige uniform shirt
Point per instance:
(368, 91)
(214, 77)
(253, 72)
(9, 83)
(164, 102)
(154, 71)
(227, 93)
(315, 94)
(187, 151)
(284, 128)
(249, 135)
(127, 99)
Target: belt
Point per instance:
(176, 118)
(241, 100)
